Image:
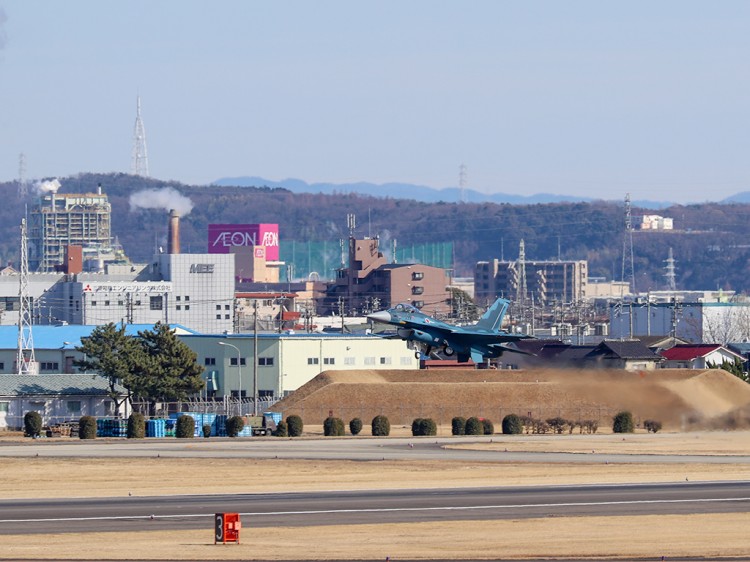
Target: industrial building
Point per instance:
(284, 362)
(59, 221)
(195, 290)
(689, 318)
(544, 281)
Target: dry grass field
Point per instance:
(709, 398)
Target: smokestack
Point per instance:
(173, 239)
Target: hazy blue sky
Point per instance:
(584, 98)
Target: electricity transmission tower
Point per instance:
(139, 162)
(25, 361)
(670, 272)
(462, 177)
(521, 290)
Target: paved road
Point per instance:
(330, 449)
(381, 506)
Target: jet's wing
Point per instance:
(478, 338)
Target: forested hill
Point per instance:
(711, 241)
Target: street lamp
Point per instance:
(239, 369)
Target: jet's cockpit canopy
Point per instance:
(404, 307)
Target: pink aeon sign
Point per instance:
(222, 237)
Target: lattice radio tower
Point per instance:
(628, 270)
(25, 361)
(23, 186)
(462, 177)
(139, 162)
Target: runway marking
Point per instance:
(384, 510)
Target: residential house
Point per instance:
(698, 356)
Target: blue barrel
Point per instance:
(156, 427)
(219, 426)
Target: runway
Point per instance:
(368, 507)
(363, 449)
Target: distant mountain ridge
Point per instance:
(418, 192)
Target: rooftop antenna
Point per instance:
(25, 361)
(139, 162)
(351, 223)
(462, 177)
(628, 270)
(23, 186)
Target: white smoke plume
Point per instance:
(50, 186)
(3, 19)
(165, 198)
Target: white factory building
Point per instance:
(193, 290)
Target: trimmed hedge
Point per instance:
(488, 426)
(623, 423)
(136, 426)
(282, 429)
(294, 425)
(381, 427)
(355, 426)
(234, 425)
(458, 426)
(333, 427)
(206, 429)
(32, 424)
(185, 428)
(87, 427)
(474, 426)
(512, 425)
(423, 426)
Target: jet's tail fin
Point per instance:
(493, 318)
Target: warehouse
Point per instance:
(57, 398)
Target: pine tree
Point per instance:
(165, 369)
(109, 352)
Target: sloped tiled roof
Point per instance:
(661, 342)
(625, 349)
(690, 352)
(54, 385)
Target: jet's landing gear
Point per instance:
(420, 350)
(448, 350)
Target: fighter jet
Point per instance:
(482, 340)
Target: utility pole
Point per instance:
(676, 312)
(256, 394)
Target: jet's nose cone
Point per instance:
(382, 316)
